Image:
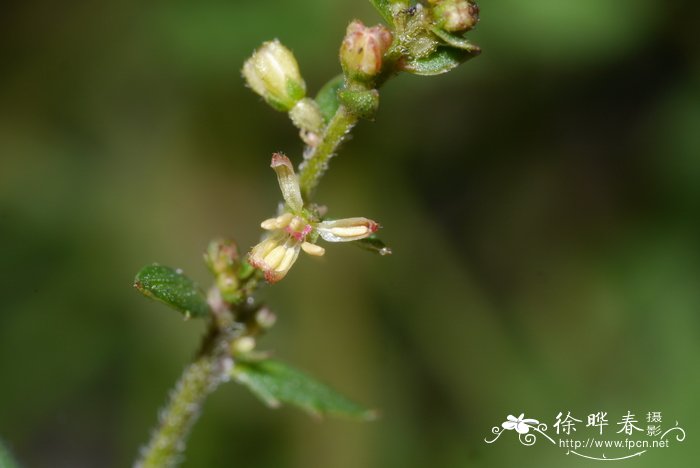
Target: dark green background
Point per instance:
(542, 202)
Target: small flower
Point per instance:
(455, 15)
(363, 50)
(522, 426)
(306, 115)
(297, 229)
(273, 73)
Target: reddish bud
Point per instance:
(455, 15)
(363, 49)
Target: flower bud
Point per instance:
(223, 260)
(265, 318)
(307, 116)
(455, 15)
(273, 73)
(243, 345)
(363, 49)
(221, 256)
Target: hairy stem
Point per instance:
(197, 382)
(316, 162)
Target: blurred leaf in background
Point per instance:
(6, 460)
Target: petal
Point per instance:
(269, 224)
(257, 254)
(531, 421)
(509, 425)
(289, 184)
(522, 428)
(512, 418)
(275, 255)
(290, 256)
(348, 229)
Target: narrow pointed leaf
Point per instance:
(457, 42)
(441, 61)
(276, 383)
(171, 287)
(327, 97)
(374, 245)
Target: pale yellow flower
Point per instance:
(297, 229)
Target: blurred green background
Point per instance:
(542, 202)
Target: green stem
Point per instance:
(316, 162)
(197, 382)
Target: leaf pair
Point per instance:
(451, 49)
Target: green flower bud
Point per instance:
(307, 116)
(273, 73)
(221, 256)
(363, 49)
(222, 259)
(455, 15)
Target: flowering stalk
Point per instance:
(425, 38)
(316, 163)
(167, 443)
(210, 368)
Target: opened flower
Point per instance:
(297, 228)
(522, 426)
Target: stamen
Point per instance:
(313, 249)
(350, 231)
(269, 224)
(283, 220)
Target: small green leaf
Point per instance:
(6, 459)
(441, 61)
(276, 383)
(455, 41)
(172, 288)
(327, 97)
(374, 245)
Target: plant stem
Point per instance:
(316, 162)
(213, 364)
(197, 382)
